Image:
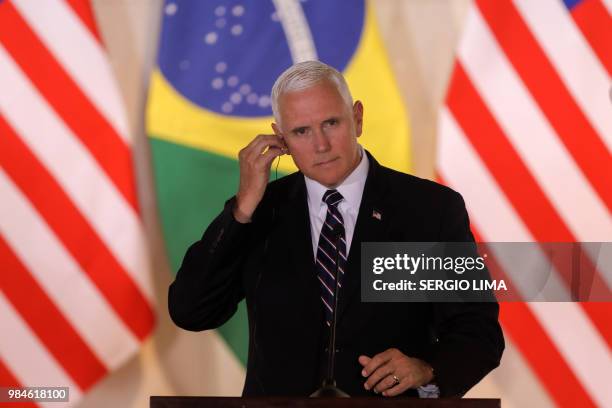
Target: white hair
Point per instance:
(307, 74)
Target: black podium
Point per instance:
(281, 402)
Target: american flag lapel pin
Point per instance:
(376, 214)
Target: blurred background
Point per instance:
(121, 121)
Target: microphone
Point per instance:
(329, 388)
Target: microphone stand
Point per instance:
(328, 388)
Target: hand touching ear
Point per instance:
(255, 161)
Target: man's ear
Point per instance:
(358, 117)
(276, 130)
(278, 133)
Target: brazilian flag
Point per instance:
(210, 96)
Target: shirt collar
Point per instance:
(351, 188)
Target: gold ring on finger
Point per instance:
(396, 380)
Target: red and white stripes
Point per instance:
(76, 296)
(526, 137)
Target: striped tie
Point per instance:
(332, 235)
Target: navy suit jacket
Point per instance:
(270, 262)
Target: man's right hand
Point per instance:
(255, 163)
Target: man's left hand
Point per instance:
(392, 372)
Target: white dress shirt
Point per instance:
(352, 191)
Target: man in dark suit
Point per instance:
(272, 243)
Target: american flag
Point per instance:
(76, 298)
(526, 136)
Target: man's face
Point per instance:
(321, 132)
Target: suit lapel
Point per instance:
(371, 225)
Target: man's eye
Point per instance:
(332, 122)
(300, 131)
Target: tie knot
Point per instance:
(332, 197)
